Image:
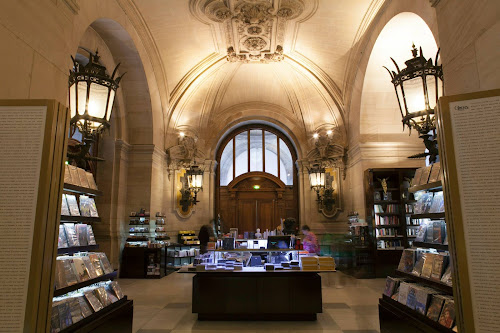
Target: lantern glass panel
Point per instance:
(414, 93)
(431, 90)
(110, 105)
(81, 97)
(198, 181)
(72, 100)
(97, 100)
(399, 91)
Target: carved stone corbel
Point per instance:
(183, 155)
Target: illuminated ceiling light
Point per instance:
(329, 132)
(182, 134)
(315, 135)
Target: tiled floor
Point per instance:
(164, 306)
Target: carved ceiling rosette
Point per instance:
(254, 30)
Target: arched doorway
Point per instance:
(256, 183)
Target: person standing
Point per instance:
(205, 235)
(310, 240)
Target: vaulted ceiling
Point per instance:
(300, 86)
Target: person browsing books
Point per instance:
(310, 241)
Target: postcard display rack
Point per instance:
(419, 296)
(144, 253)
(85, 298)
(388, 206)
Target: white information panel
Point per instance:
(476, 136)
(21, 142)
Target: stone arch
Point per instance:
(421, 9)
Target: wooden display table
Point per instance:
(256, 294)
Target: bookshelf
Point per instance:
(386, 215)
(394, 315)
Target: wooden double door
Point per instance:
(246, 208)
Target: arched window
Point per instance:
(260, 149)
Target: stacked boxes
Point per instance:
(317, 263)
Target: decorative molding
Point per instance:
(183, 154)
(329, 150)
(434, 3)
(72, 5)
(253, 30)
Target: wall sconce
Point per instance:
(91, 96)
(324, 193)
(194, 183)
(418, 88)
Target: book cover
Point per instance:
(423, 297)
(117, 289)
(69, 271)
(407, 260)
(62, 241)
(81, 270)
(85, 205)
(84, 306)
(75, 178)
(435, 307)
(417, 270)
(447, 317)
(425, 175)
(106, 265)
(96, 262)
(81, 232)
(64, 315)
(75, 310)
(390, 284)
(93, 208)
(412, 297)
(102, 296)
(71, 234)
(90, 267)
(447, 276)
(67, 175)
(54, 319)
(435, 173)
(437, 203)
(403, 292)
(60, 278)
(90, 235)
(438, 265)
(91, 180)
(64, 206)
(417, 177)
(111, 294)
(429, 234)
(82, 174)
(438, 230)
(428, 263)
(92, 299)
(419, 205)
(427, 203)
(73, 205)
(421, 233)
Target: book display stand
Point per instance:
(74, 307)
(419, 294)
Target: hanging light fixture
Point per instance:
(91, 96)
(418, 88)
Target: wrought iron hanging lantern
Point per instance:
(418, 88)
(317, 179)
(91, 96)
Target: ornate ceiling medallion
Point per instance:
(254, 30)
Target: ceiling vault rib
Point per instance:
(323, 79)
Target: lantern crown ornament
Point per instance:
(91, 95)
(418, 88)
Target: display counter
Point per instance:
(253, 293)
